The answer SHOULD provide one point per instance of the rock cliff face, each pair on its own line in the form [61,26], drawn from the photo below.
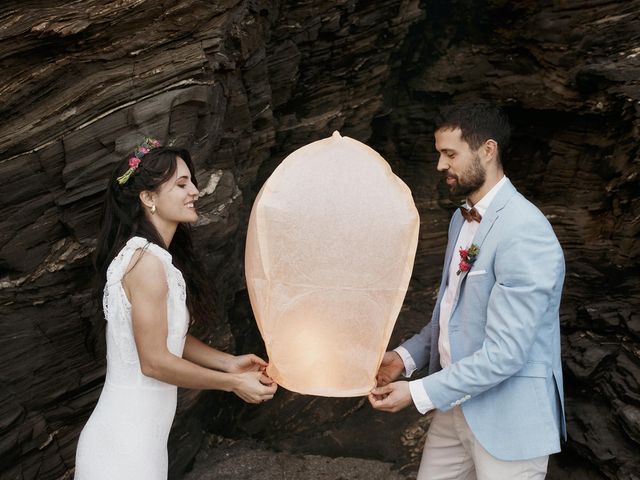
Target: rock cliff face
[243,83]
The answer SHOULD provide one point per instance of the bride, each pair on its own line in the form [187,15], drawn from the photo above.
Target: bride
[143,251]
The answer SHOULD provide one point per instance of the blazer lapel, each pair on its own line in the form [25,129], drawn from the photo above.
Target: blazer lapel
[456,226]
[493,212]
[488,219]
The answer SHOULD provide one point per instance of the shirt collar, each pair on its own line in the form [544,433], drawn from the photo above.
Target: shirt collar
[485,201]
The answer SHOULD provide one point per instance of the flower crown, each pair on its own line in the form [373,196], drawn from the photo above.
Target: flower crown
[134,162]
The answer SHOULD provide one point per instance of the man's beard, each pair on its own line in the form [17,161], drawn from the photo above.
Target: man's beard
[472,179]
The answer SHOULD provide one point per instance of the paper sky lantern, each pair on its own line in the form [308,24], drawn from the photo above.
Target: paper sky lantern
[330,248]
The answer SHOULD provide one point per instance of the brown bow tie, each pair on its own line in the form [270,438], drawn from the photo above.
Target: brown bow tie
[471,215]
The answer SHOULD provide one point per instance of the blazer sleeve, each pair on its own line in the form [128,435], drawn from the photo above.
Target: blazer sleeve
[529,270]
[419,347]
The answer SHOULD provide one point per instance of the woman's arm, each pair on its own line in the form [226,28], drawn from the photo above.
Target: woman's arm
[147,290]
[198,352]
[206,356]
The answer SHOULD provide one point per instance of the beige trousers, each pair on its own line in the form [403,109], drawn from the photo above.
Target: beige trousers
[452,452]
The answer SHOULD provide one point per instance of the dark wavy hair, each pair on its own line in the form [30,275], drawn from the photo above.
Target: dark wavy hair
[123,217]
[478,123]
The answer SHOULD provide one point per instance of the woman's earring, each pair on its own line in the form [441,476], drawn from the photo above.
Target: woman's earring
[153,209]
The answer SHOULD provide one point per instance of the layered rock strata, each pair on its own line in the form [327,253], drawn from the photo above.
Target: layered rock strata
[242,84]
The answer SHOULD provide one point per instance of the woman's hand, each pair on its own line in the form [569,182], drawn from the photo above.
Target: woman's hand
[253,386]
[246,363]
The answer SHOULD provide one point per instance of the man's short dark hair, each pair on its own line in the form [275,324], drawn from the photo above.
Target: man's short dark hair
[478,123]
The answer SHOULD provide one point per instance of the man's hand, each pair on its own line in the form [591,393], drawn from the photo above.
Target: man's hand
[392,397]
[390,368]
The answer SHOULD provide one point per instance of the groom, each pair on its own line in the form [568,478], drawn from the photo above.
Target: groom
[493,343]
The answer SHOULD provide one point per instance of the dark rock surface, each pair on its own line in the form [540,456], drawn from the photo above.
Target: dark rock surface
[242,84]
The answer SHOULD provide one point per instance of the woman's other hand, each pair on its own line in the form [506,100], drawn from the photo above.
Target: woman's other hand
[254,386]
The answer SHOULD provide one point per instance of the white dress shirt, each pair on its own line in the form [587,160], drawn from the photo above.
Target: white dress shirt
[420,397]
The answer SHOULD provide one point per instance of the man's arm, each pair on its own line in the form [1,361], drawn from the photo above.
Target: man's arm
[419,346]
[414,354]
[418,349]
[392,397]
[529,267]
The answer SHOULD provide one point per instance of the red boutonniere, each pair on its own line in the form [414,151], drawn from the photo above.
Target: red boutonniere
[467,258]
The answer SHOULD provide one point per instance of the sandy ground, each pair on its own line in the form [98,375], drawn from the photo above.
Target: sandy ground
[244,460]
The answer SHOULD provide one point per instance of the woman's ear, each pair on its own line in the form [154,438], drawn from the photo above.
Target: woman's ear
[147,198]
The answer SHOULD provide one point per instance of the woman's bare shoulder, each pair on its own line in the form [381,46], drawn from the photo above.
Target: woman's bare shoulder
[145,273]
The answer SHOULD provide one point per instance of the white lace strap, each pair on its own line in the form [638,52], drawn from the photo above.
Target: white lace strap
[121,262]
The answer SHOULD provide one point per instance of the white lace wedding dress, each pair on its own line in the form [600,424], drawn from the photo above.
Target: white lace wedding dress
[126,435]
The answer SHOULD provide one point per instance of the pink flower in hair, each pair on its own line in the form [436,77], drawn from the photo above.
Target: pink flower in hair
[134,162]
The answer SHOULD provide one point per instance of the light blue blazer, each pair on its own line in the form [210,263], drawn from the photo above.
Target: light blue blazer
[504,332]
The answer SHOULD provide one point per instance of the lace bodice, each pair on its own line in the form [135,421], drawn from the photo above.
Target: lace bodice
[123,365]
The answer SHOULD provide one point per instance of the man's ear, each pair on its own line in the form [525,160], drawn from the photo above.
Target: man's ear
[147,198]
[490,150]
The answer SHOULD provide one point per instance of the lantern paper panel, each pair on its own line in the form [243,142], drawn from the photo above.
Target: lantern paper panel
[330,249]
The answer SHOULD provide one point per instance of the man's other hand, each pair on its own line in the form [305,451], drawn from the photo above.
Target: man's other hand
[391,398]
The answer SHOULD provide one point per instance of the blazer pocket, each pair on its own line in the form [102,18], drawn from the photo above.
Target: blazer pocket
[534,369]
[476,272]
